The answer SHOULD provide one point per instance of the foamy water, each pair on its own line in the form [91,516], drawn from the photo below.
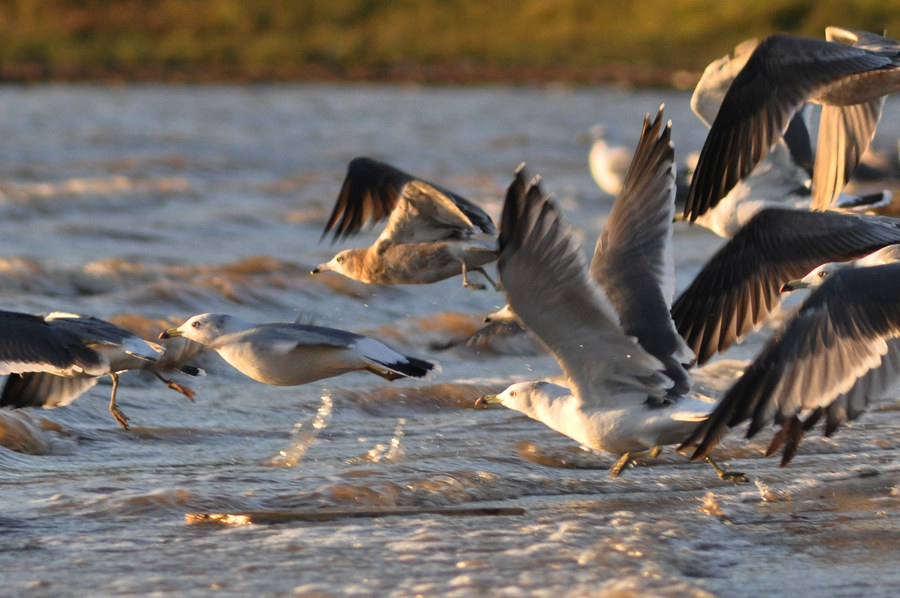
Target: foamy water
[148,204]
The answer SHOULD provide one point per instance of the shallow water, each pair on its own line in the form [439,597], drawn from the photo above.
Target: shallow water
[148,204]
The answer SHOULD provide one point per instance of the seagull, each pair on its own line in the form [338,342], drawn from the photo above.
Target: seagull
[616,342]
[782,178]
[839,352]
[431,234]
[502,334]
[286,354]
[739,286]
[607,162]
[55,358]
[849,74]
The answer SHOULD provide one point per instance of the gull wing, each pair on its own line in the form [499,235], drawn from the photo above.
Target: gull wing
[29,343]
[740,285]
[845,133]
[425,213]
[716,79]
[43,389]
[634,258]
[372,189]
[283,338]
[782,73]
[841,333]
[105,337]
[550,290]
[847,129]
[712,87]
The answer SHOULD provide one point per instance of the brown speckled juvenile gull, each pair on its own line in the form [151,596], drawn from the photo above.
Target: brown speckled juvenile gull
[284,354]
[627,390]
[849,74]
[838,353]
[431,234]
[53,359]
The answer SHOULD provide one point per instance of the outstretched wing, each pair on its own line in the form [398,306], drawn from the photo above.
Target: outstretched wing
[633,261]
[783,72]
[740,285]
[372,189]
[841,333]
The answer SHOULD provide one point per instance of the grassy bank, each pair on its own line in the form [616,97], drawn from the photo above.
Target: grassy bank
[647,42]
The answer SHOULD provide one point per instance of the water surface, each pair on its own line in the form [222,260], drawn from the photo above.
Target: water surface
[148,204]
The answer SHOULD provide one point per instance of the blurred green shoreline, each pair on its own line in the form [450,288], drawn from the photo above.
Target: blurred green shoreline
[581,42]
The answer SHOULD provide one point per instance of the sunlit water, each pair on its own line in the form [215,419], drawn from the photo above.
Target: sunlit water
[147,204]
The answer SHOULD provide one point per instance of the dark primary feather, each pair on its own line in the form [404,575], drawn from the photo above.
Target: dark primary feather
[411,367]
[372,189]
[813,362]
[740,285]
[781,74]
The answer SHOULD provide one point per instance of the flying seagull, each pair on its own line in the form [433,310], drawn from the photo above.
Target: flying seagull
[783,177]
[849,74]
[431,234]
[285,354]
[839,352]
[619,350]
[53,359]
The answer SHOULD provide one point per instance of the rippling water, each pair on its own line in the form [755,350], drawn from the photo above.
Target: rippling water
[148,204]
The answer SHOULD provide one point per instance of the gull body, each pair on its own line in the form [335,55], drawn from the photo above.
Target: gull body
[607,162]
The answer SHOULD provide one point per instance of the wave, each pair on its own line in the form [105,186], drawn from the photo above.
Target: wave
[43,193]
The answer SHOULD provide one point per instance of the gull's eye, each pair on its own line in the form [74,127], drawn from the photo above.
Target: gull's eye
[823,273]
[340,259]
[196,324]
[512,393]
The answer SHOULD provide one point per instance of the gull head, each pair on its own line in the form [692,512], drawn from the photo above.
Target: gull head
[523,396]
[815,278]
[205,328]
[344,263]
[504,314]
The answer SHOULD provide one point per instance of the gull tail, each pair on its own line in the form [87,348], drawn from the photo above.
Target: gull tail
[191,370]
[863,203]
[389,364]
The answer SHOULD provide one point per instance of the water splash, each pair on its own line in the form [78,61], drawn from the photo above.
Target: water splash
[303,436]
[381,452]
